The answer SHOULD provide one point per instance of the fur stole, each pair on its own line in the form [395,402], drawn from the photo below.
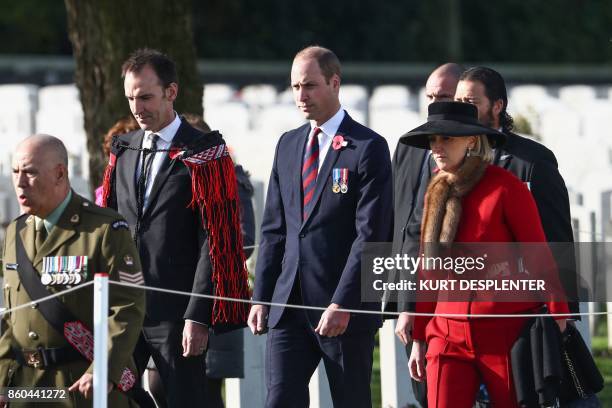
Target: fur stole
[442,210]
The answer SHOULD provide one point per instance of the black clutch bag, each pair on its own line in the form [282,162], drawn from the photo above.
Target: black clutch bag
[581,377]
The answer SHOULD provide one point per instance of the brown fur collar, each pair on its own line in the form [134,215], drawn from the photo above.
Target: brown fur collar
[442,210]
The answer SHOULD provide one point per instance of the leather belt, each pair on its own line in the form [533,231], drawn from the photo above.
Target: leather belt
[46,357]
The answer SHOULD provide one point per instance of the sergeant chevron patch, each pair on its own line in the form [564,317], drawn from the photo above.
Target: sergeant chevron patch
[135,278]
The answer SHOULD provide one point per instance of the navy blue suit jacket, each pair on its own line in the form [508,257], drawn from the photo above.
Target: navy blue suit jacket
[325,248]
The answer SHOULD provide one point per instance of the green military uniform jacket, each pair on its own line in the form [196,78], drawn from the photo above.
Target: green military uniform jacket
[82,230]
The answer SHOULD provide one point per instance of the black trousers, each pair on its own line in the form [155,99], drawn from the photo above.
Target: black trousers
[293,352]
[183,377]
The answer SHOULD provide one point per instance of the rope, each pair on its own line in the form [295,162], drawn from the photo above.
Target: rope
[44,299]
[321,308]
[304,307]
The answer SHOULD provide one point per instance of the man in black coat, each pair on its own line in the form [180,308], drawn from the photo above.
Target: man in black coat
[411,169]
[532,163]
[160,178]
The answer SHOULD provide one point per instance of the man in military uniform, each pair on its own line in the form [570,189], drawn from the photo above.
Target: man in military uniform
[61,241]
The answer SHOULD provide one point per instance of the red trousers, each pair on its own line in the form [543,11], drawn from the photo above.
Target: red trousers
[461,355]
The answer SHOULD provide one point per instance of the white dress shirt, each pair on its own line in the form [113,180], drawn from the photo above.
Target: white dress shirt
[327,133]
[166,135]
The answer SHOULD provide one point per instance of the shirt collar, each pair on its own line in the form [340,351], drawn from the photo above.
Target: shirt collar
[55,215]
[330,128]
[167,133]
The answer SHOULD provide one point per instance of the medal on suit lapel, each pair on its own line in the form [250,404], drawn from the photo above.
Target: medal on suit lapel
[344,181]
[336,180]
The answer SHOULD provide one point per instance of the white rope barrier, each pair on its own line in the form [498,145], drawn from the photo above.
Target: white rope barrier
[44,299]
[319,308]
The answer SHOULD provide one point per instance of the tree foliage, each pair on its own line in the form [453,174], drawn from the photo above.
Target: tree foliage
[103,34]
[534,31]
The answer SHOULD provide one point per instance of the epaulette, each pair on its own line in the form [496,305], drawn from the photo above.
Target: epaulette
[90,207]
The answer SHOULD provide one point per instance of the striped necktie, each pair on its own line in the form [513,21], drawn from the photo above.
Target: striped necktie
[310,169]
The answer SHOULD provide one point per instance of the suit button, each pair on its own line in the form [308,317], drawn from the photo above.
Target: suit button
[302,235]
[34,306]
[32,335]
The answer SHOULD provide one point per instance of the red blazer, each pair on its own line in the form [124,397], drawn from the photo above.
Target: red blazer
[500,208]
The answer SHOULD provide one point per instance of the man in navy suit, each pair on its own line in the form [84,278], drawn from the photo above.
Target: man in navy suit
[329,193]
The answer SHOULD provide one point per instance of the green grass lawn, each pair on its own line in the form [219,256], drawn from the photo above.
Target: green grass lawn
[375,382]
[605,366]
[603,359]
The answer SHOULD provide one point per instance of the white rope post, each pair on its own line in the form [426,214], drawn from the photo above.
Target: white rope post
[100,369]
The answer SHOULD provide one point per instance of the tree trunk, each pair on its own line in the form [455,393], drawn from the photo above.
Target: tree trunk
[103,34]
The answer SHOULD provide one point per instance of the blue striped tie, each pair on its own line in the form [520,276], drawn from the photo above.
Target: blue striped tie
[310,169]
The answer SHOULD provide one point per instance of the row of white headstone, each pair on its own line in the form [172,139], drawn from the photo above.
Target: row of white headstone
[574,121]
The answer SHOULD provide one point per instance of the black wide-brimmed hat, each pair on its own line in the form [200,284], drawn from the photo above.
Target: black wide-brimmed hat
[451,119]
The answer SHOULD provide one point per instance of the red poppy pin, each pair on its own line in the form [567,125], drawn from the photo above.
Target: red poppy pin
[174,153]
[338,142]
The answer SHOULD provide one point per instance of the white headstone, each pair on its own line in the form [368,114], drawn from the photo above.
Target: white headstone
[390,96]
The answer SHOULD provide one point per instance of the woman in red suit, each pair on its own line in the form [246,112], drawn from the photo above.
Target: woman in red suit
[470,200]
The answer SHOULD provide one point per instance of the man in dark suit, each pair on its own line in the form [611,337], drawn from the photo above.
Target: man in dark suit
[529,160]
[532,163]
[411,173]
[329,194]
[152,188]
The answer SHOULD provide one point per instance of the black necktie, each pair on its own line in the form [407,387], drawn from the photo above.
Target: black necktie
[145,172]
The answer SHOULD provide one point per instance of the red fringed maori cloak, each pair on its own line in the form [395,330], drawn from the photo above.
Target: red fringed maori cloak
[107,179]
[215,193]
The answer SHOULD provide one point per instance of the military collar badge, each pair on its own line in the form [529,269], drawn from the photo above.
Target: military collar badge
[129,261]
